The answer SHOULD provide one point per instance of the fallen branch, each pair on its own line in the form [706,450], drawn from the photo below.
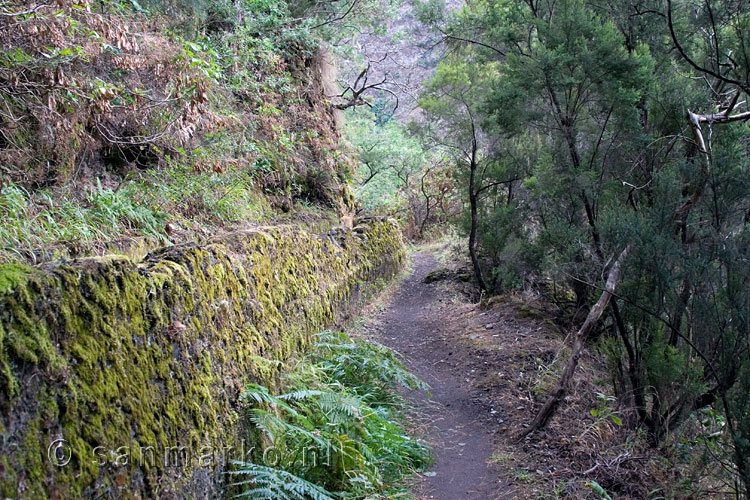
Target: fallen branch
[549,408]
[25,12]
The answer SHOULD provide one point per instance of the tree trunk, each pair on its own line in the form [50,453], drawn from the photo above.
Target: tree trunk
[582,335]
[473,204]
[428,208]
[742,460]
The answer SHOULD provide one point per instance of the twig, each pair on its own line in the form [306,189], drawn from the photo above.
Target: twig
[25,12]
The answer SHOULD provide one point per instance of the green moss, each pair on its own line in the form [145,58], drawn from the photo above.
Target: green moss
[8,479]
[32,459]
[11,276]
[112,353]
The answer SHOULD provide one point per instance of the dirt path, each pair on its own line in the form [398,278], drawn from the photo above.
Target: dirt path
[415,325]
[490,368]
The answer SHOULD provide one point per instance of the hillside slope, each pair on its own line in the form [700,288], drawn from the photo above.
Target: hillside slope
[124,127]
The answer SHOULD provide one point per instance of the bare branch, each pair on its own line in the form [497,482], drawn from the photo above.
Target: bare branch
[339,18]
[549,408]
[681,50]
[25,12]
[360,87]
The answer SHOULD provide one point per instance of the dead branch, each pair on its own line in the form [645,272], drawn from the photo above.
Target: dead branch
[25,12]
[360,87]
[549,408]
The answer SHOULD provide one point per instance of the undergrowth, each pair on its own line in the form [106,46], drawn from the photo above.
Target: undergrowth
[153,205]
[166,120]
[336,430]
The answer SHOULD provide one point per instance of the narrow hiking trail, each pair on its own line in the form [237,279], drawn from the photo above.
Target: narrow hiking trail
[489,369]
[417,325]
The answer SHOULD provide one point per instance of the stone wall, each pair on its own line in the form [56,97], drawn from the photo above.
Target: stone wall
[138,366]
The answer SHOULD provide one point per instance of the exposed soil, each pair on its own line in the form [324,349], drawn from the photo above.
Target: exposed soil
[489,370]
[461,438]
[460,429]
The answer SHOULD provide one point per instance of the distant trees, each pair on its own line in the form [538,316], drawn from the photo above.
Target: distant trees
[397,175]
[451,103]
[622,129]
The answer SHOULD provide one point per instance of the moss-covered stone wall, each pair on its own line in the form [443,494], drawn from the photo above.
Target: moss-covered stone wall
[138,366]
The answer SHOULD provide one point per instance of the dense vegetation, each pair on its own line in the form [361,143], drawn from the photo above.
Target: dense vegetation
[163,120]
[126,126]
[601,153]
[335,428]
[398,175]
[595,153]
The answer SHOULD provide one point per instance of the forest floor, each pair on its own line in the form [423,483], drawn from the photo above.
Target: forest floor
[488,369]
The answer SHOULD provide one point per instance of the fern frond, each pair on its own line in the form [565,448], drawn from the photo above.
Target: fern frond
[340,406]
[340,401]
[300,395]
[275,484]
[259,394]
[276,428]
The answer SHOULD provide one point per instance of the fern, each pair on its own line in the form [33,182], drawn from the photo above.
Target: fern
[340,406]
[340,402]
[268,483]
[300,395]
[365,366]
[276,428]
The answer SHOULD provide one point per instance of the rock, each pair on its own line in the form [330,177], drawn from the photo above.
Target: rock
[441,274]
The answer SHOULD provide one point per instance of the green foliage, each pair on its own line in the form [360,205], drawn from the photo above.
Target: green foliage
[352,361]
[597,488]
[387,156]
[135,208]
[666,368]
[269,482]
[397,174]
[201,57]
[604,411]
[338,22]
[207,197]
[201,126]
[337,425]
[584,104]
[104,214]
